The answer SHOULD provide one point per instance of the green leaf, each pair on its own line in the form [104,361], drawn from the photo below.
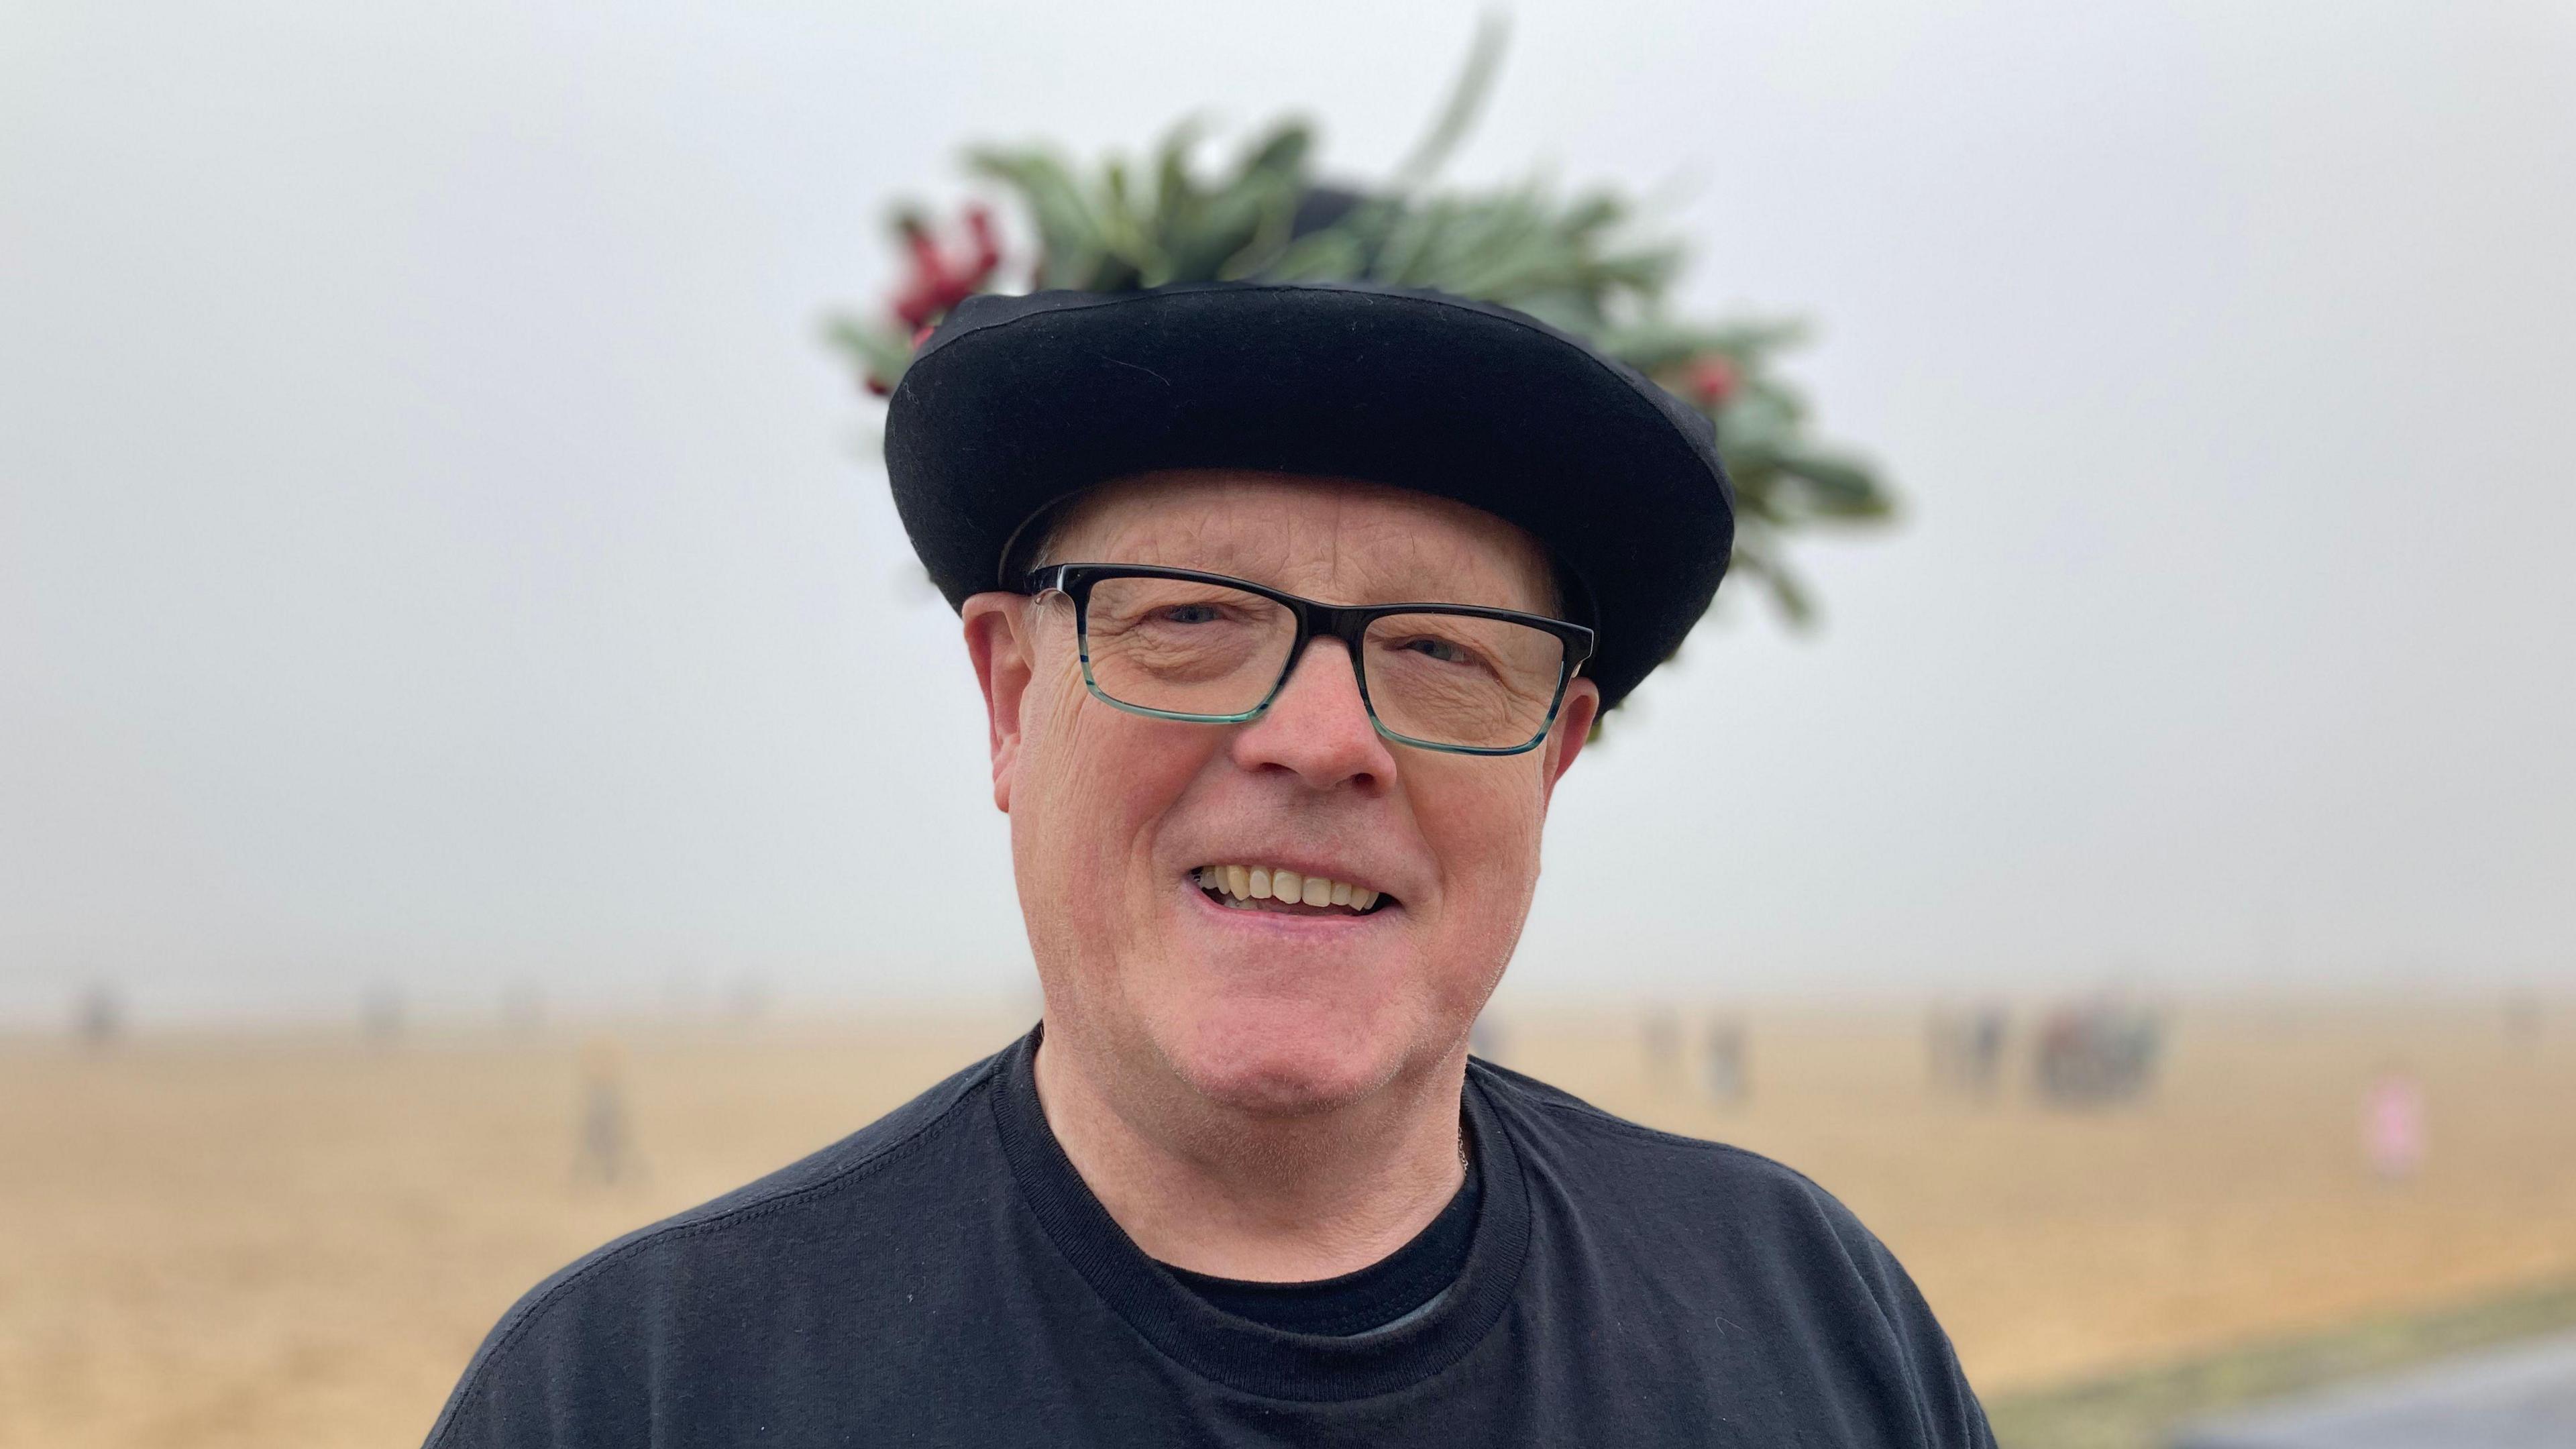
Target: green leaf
[1576,262]
[1071,240]
[878,352]
[1457,114]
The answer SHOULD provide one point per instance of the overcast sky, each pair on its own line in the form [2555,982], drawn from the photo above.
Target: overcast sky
[435,550]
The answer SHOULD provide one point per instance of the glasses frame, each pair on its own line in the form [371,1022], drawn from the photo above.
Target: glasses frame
[1346,622]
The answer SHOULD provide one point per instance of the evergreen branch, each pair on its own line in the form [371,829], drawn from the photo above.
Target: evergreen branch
[1458,115]
[1572,262]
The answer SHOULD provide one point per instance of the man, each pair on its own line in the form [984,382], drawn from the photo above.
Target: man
[1291,605]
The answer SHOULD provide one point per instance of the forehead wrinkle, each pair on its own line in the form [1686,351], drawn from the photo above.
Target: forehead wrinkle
[1387,558]
[1173,531]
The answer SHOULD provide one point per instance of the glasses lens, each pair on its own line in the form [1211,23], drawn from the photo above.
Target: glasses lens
[1185,648]
[1450,679]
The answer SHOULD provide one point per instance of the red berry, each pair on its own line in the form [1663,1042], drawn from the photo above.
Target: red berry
[1713,379]
[936,284]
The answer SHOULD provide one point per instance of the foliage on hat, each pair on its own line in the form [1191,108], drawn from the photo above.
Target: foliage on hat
[1572,261]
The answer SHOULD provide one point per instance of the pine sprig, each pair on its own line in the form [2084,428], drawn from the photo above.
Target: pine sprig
[1574,262]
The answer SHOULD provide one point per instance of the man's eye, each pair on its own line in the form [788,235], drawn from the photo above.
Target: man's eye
[1190,614]
[1440,649]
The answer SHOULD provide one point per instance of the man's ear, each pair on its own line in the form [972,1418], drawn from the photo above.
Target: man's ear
[997,638]
[1573,728]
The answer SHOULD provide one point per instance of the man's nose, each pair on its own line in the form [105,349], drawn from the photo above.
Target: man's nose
[1318,727]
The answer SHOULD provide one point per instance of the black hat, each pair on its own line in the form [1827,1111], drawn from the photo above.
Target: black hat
[1018,403]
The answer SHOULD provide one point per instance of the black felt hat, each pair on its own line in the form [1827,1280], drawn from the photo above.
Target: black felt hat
[1018,403]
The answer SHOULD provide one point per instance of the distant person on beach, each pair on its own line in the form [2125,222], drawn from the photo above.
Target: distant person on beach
[605,1151]
[1967,1048]
[1291,604]
[1985,1054]
[1663,1046]
[2392,1125]
[1730,1078]
[99,1019]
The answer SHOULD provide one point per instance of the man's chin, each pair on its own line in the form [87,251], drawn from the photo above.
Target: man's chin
[1287,1070]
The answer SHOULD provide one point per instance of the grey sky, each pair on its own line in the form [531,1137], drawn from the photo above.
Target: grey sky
[434,548]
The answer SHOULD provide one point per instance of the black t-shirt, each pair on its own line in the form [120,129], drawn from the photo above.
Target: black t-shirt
[943,1277]
[1396,1286]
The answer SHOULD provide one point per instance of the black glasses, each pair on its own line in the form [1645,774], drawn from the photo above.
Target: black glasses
[1207,649]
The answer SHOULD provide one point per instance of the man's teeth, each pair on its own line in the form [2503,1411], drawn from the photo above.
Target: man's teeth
[1241,885]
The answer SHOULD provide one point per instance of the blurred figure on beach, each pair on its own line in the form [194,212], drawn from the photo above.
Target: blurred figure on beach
[2392,1125]
[605,1153]
[1968,1048]
[2097,1052]
[99,1019]
[1663,1039]
[1729,1076]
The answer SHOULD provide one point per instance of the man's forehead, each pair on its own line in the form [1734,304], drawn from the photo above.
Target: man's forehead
[1332,535]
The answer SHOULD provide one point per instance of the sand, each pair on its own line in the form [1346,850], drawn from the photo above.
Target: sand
[298,1240]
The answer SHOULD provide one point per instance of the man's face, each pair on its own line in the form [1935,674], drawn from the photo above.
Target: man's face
[1114,816]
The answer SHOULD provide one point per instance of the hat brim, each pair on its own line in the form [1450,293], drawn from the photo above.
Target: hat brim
[1018,402]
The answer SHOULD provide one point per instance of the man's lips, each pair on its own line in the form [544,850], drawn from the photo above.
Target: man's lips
[1282,891]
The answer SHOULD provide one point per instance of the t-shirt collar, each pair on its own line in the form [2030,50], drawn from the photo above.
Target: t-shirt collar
[1237,1352]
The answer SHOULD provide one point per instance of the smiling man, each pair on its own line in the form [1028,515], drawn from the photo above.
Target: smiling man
[1292,606]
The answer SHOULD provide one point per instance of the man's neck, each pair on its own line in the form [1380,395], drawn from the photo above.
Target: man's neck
[1270,1199]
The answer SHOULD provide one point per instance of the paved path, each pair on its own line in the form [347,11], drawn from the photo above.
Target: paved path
[2523,1397]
